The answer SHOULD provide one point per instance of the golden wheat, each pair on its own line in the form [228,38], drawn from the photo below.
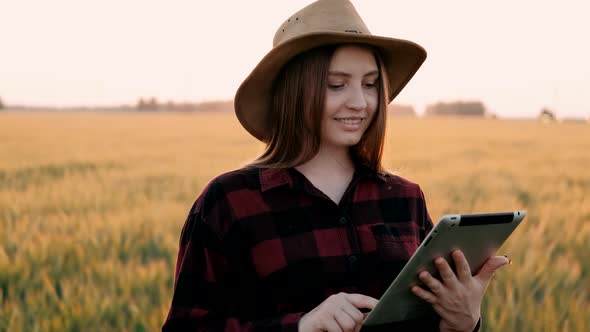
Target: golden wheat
[91,207]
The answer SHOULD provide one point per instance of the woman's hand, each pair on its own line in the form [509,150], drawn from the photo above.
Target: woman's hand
[457,299]
[339,312]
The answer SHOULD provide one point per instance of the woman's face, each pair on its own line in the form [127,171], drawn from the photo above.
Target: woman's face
[352,95]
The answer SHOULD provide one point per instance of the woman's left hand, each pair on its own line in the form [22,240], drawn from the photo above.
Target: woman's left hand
[457,299]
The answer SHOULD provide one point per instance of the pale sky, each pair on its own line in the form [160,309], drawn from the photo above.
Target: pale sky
[516,56]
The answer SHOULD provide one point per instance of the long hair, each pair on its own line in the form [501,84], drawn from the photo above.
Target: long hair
[297,107]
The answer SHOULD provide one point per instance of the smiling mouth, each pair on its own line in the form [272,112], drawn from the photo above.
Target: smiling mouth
[350,121]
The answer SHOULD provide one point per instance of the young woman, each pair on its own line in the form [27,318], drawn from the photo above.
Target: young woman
[309,236]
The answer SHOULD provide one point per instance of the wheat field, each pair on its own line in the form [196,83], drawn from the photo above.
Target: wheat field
[91,207]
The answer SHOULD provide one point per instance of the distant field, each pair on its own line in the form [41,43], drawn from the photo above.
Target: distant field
[91,207]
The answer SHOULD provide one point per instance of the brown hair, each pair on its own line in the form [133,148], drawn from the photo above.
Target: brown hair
[297,106]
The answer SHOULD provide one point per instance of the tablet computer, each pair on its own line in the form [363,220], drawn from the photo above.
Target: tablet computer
[478,236]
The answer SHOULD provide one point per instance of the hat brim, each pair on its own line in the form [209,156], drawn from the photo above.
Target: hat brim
[402,58]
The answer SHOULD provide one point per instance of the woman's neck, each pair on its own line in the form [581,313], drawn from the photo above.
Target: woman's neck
[329,161]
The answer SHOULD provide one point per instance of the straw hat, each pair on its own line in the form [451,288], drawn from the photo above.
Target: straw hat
[320,23]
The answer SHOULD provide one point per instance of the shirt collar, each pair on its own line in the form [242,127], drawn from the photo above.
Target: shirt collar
[366,172]
[276,177]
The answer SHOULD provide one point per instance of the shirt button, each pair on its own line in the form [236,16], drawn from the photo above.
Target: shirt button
[343,221]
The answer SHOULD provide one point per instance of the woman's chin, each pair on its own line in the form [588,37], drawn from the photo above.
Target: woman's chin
[347,142]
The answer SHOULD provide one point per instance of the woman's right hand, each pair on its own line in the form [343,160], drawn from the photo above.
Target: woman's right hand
[339,312]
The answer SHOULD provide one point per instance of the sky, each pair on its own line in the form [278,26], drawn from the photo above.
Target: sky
[515,56]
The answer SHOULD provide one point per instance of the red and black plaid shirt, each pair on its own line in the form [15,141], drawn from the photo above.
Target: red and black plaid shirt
[261,247]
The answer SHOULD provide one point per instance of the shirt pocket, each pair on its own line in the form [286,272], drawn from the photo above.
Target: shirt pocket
[393,243]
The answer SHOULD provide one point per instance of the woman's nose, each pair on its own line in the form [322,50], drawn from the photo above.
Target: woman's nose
[357,99]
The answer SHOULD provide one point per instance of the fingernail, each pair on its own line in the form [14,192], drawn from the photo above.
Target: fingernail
[509,260]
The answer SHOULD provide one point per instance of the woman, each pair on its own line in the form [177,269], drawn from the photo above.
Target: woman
[309,235]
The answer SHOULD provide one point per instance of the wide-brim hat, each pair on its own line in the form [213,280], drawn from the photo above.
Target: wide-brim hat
[323,22]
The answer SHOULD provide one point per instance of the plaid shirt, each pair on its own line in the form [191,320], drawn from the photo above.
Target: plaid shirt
[261,247]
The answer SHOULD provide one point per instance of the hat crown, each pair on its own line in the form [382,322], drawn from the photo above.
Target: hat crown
[322,16]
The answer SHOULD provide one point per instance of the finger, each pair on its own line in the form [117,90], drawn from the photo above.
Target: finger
[446,273]
[435,286]
[490,266]
[344,320]
[463,269]
[424,294]
[353,312]
[362,301]
[330,324]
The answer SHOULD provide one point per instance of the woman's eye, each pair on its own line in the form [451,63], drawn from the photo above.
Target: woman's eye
[371,85]
[335,86]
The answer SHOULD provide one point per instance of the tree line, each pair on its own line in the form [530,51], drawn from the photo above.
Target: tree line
[460,108]
[453,108]
[152,104]
[456,108]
